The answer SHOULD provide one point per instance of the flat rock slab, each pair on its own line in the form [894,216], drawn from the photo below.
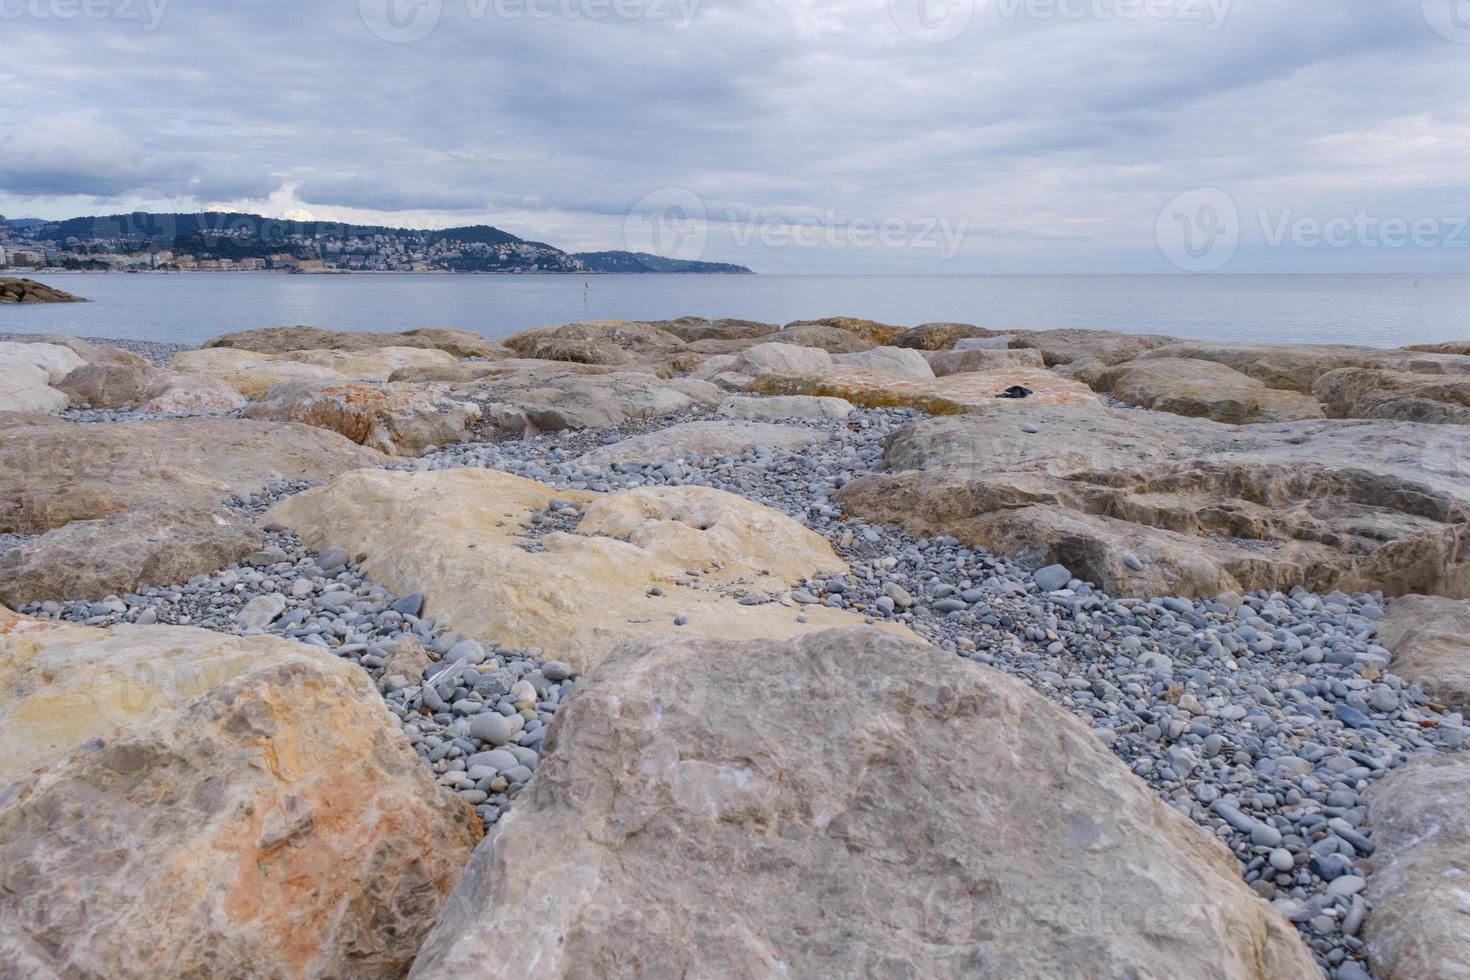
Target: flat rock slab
[56,473]
[933,819]
[786,407]
[456,536]
[253,374]
[275,340]
[703,439]
[178,803]
[1429,637]
[1296,367]
[1204,389]
[1421,836]
[398,418]
[951,395]
[972,360]
[527,405]
[155,544]
[1147,503]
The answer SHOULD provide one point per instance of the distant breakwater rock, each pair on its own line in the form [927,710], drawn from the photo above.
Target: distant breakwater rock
[14,290]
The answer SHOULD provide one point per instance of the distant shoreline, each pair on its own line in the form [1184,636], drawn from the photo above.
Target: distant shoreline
[342,272]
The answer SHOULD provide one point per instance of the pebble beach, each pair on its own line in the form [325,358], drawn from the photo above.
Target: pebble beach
[1263,715]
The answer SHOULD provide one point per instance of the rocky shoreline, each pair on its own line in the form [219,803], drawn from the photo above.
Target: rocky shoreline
[528,546]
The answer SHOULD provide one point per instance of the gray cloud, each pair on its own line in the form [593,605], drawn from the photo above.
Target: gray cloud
[1053,140]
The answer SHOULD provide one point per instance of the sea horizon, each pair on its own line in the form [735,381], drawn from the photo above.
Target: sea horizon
[1370,309]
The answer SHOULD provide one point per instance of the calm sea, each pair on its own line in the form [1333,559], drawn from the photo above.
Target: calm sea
[1384,311]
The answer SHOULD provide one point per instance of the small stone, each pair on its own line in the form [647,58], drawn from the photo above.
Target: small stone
[409,605]
[1282,860]
[261,611]
[1051,578]
[494,728]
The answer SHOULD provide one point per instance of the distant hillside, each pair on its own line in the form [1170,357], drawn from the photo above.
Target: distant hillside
[221,240]
[257,241]
[646,262]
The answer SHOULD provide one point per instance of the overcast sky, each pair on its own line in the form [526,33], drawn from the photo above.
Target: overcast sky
[943,136]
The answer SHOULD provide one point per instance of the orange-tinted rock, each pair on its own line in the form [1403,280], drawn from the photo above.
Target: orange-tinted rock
[180,803]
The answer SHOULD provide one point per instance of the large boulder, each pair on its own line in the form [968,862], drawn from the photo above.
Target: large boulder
[276,340]
[1371,393]
[833,340]
[1147,503]
[460,538]
[398,419]
[25,388]
[156,544]
[1073,350]
[1429,637]
[114,385]
[926,817]
[775,358]
[694,329]
[951,395]
[622,343]
[716,438]
[940,336]
[1421,839]
[526,403]
[1296,367]
[148,388]
[56,473]
[1204,389]
[874,333]
[55,360]
[1461,347]
[17,290]
[88,351]
[976,359]
[179,803]
[900,361]
[249,373]
[194,394]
